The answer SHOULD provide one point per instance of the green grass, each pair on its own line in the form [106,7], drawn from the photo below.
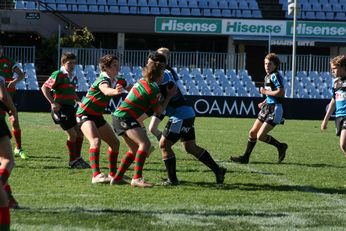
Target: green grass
[306,192]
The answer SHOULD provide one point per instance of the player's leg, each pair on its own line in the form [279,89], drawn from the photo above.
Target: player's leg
[343,141]
[168,157]
[204,156]
[4,210]
[125,162]
[17,135]
[251,143]
[107,134]
[139,136]
[91,132]
[263,136]
[153,127]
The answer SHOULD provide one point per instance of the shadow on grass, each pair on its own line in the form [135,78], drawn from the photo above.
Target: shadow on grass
[129,212]
[316,165]
[287,188]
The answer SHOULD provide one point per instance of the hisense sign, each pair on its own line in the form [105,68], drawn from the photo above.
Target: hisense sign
[248,27]
[253,27]
[188,25]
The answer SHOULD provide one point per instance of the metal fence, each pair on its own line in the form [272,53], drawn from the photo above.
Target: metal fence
[306,63]
[87,56]
[22,54]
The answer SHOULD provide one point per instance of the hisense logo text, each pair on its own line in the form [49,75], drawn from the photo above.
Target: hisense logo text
[174,25]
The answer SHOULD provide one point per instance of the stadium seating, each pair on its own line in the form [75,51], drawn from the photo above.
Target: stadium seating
[186,8]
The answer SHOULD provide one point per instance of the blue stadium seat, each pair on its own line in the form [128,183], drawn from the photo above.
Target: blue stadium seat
[193,4]
[320,15]
[93,8]
[175,11]
[81,2]
[243,5]
[20,5]
[30,5]
[246,14]
[127,3]
[256,14]
[60,1]
[70,1]
[340,16]
[185,12]
[142,3]
[101,2]
[226,13]
[338,7]
[206,12]
[111,2]
[82,8]
[91,2]
[165,11]
[224,4]
[327,7]
[62,7]
[163,3]
[133,10]
[233,5]
[182,3]
[203,4]
[155,11]
[152,3]
[124,10]
[216,12]
[113,9]
[213,4]
[173,3]
[316,7]
[144,10]
[195,12]
[309,15]
[253,5]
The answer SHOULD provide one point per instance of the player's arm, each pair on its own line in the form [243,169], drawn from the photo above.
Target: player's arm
[108,91]
[279,92]
[171,92]
[20,77]
[7,100]
[330,110]
[47,94]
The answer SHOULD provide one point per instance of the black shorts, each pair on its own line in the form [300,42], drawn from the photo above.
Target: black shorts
[65,117]
[340,124]
[4,130]
[98,120]
[121,125]
[271,114]
[179,129]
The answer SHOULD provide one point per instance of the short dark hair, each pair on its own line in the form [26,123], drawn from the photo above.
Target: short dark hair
[273,58]
[67,56]
[106,61]
[157,57]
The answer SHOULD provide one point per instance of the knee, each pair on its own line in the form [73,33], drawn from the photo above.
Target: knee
[95,142]
[262,137]
[253,134]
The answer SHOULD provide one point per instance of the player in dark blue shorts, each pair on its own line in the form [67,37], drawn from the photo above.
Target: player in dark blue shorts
[271,112]
[338,101]
[180,126]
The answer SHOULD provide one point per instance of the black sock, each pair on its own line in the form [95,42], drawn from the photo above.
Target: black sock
[271,140]
[206,159]
[250,145]
[171,169]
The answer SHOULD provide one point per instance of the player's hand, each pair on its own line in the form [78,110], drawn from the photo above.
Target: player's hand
[323,126]
[55,106]
[263,91]
[172,91]
[261,104]
[12,84]
[118,89]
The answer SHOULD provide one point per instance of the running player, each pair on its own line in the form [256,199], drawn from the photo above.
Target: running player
[338,101]
[6,155]
[92,123]
[63,84]
[144,95]
[8,67]
[271,112]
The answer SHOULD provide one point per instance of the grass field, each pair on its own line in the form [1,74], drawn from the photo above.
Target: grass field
[306,192]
